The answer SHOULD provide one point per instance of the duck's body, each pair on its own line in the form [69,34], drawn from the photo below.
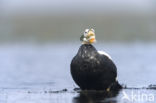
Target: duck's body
[92,70]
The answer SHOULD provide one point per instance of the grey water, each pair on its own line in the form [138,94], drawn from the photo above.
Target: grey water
[31,73]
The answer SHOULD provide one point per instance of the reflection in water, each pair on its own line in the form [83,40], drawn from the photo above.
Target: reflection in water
[95,97]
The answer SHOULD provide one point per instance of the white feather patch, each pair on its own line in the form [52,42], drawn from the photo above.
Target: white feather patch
[104,53]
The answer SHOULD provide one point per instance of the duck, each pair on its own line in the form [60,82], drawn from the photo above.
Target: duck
[92,69]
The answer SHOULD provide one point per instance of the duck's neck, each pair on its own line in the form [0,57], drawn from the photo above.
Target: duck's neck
[87,50]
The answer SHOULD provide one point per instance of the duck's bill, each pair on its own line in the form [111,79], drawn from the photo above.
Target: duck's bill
[92,40]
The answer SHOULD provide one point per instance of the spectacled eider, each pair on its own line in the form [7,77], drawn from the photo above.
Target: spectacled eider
[92,69]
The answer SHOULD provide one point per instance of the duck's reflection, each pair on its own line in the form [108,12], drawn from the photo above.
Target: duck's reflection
[95,97]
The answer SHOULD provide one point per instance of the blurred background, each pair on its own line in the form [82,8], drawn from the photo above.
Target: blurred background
[65,20]
[39,38]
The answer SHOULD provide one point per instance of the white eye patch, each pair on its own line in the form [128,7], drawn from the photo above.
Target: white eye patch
[86,31]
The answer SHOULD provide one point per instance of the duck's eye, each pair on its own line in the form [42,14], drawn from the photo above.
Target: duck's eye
[85,32]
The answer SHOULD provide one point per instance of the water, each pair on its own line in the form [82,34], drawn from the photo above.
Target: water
[40,73]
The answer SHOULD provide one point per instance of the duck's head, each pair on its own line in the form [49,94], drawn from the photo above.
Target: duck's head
[88,37]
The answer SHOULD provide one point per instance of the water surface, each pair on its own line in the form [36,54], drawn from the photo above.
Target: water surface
[41,73]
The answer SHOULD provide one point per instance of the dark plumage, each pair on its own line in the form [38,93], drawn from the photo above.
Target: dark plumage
[93,71]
